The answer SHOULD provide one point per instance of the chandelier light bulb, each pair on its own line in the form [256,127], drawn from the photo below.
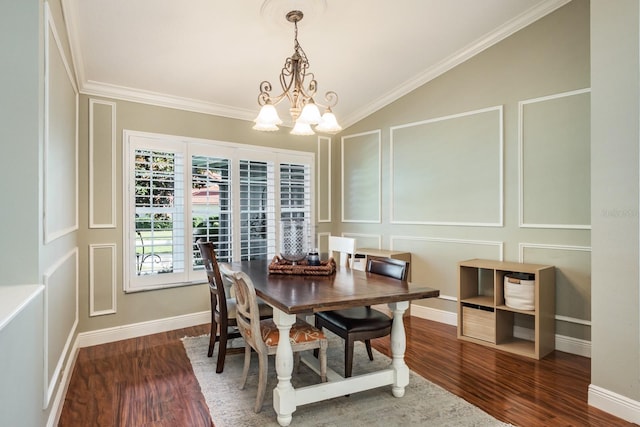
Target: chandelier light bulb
[310,114]
[302,129]
[329,123]
[268,116]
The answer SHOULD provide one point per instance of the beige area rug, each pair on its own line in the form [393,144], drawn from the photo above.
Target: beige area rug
[424,403]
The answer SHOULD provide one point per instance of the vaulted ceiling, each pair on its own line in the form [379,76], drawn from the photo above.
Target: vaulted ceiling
[211,55]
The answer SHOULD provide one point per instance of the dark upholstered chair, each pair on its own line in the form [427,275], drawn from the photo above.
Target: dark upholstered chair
[223,309]
[362,323]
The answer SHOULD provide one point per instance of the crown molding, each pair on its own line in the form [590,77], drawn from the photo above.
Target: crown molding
[457,58]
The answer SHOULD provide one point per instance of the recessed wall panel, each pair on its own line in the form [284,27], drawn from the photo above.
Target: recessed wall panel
[61,318]
[324,179]
[102,279]
[573,277]
[448,170]
[60,142]
[556,161]
[361,179]
[102,164]
[434,261]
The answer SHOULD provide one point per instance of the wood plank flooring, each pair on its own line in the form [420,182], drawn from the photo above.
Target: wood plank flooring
[148,381]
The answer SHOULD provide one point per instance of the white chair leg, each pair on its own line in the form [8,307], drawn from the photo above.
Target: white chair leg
[262,380]
[247,362]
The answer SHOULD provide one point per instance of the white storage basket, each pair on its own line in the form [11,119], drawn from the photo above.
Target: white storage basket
[519,291]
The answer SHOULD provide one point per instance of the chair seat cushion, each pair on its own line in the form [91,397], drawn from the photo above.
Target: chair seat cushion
[300,332]
[356,319]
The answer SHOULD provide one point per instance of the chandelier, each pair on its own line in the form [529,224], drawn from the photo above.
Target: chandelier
[304,110]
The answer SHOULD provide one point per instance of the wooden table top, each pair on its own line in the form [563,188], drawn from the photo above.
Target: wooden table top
[346,288]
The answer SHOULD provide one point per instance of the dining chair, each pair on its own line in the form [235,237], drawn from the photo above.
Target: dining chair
[223,309]
[362,323]
[345,247]
[262,335]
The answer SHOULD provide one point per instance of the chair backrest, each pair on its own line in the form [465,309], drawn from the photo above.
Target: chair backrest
[345,246]
[248,313]
[390,267]
[216,285]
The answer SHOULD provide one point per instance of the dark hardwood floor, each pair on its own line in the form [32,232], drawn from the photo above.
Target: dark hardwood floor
[148,381]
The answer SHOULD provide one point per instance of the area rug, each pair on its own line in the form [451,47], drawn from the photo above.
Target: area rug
[424,403]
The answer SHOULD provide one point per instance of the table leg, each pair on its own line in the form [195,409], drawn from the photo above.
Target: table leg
[398,347]
[284,393]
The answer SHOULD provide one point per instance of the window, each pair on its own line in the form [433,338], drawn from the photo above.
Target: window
[180,190]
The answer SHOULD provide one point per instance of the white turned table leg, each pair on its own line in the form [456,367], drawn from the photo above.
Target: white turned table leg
[284,399]
[398,347]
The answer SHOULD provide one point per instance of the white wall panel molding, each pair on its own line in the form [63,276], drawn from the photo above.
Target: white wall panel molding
[60,182]
[60,317]
[464,156]
[324,179]
[102,164]
[554,152]
[361,157]
[102,279]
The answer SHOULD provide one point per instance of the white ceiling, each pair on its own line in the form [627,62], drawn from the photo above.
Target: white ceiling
[211,55]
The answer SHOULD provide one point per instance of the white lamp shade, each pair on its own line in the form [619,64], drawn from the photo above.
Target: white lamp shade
[310,114]
[302,129]
[268,116]
[328,123]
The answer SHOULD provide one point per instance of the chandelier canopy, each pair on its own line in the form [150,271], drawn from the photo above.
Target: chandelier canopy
[304,110]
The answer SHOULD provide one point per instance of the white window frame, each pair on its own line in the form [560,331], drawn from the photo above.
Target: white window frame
[132,140]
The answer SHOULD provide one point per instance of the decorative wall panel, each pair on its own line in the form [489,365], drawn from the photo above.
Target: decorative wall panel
[324,179]
[555,161]
[361,180]
[102,164]
[102,279]
[60,140]
[448,170]
[435,260]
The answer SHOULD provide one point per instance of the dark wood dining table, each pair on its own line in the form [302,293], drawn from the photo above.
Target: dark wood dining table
[292,295]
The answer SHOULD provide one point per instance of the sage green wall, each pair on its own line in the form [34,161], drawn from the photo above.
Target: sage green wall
[20,136]
[549,57]
[615,363]
[165,303]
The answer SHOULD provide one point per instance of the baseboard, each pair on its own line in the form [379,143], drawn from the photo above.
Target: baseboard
[102,336]
[58,401]
[614,404]
[563,343]
[441,316]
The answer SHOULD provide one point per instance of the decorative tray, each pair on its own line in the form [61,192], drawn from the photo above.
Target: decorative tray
[282,266]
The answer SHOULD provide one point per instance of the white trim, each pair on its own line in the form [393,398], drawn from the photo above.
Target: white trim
[500,221]
[133,330]
[49,24]
[51,385]
[58,402]
[496,243]
[614,403]
[92,195]
[92,279]
[153,98]
[14,299]
[342,172]
[328,178]
[521,105]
